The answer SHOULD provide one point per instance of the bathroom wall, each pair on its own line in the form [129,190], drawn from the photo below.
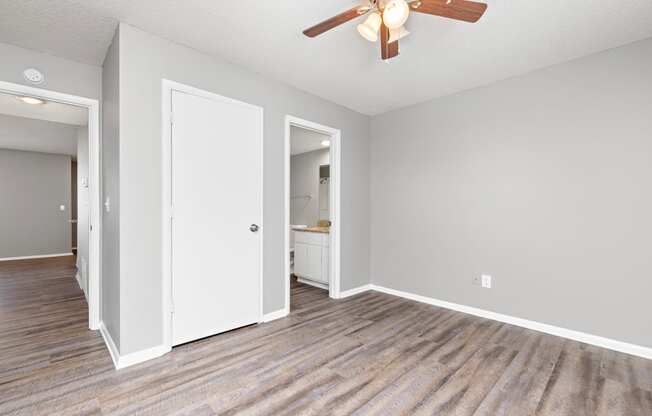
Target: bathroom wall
[304,186]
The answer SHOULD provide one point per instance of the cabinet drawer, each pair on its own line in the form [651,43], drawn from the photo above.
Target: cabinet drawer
[308,238]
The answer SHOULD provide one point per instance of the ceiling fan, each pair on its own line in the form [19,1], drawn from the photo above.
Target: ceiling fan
[387,17]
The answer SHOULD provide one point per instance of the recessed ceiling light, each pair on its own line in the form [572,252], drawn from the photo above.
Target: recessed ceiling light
[31,100]
[326,143]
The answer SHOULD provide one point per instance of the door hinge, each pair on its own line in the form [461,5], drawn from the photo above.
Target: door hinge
[171,306]
[171,118]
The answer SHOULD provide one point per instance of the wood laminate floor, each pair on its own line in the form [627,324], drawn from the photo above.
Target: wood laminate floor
[371,354]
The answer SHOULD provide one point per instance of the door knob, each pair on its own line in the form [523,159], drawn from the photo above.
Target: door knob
[254,228]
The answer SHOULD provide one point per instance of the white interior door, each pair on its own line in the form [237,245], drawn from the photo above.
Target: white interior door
[216,251]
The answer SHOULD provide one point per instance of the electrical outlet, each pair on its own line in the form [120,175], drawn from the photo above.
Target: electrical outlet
[477,281]
[486,281]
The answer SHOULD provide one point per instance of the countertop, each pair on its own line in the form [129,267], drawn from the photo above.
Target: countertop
[323,230]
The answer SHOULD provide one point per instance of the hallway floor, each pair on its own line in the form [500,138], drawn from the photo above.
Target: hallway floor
[367,354]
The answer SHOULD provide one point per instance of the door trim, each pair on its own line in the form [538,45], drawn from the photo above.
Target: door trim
[166,174]
[94,192]
[334,278]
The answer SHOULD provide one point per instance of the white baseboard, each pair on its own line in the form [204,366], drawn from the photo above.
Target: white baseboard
[311,283]
[39,256]
[79,283]
[113,349]
[354,291]
[142,356]
[627,348]
[122,361]
[281,313]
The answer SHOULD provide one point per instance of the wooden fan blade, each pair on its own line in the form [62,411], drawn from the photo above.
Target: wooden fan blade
[387,50]
[335,21]
[467,11]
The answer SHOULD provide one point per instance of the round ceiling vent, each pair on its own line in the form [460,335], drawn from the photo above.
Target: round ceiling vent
[34,76]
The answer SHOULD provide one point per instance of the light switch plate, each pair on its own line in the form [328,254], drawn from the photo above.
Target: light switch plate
[486,281]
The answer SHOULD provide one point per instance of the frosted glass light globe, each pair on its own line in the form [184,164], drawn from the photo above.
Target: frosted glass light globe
[369,29]
[396,13]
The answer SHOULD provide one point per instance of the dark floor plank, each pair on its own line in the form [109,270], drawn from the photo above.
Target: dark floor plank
[575,385]
[633,371]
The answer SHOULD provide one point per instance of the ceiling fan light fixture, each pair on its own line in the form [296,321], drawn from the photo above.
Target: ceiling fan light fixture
[396,13]
[397,34]
[389,16]
[363,9]
[369,29]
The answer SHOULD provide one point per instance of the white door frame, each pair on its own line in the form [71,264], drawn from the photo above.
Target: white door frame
[166,174]
[334,282]
[95,202]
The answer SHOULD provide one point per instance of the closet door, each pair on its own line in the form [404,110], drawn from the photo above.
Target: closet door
[216,250]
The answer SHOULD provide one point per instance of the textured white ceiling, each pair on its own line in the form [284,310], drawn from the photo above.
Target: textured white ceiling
[303,140]
[440,57]
[50,111]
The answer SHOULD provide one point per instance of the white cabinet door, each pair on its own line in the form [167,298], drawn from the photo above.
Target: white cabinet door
[325,263]
[300,259]
[314,262]
[216,197]
[307,261]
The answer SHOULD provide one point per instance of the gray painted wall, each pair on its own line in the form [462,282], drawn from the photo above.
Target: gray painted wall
[110,296]
[64,76]
[144,61]
[61,75]
[543,181]
[33,186]
[74,201]
[304,180]
[82,206]
[20,133]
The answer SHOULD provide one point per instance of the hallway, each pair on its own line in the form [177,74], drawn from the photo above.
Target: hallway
[43,322]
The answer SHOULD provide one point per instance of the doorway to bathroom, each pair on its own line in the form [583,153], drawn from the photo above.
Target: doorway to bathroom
[312,190]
